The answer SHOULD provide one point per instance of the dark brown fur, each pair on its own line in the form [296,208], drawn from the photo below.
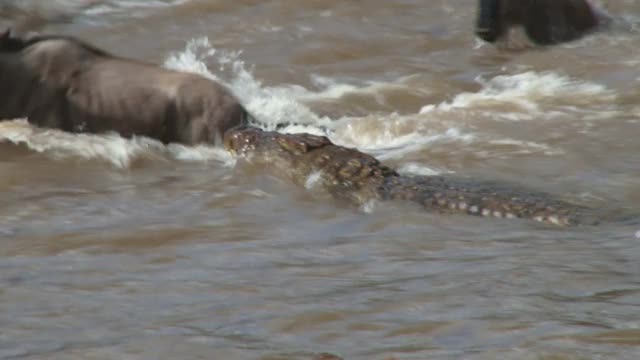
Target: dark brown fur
[63,83]
[546,22]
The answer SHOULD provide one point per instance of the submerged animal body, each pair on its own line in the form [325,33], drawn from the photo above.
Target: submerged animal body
[546,22]
[63,83]
[350,175]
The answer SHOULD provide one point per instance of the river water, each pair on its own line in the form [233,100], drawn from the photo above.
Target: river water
[127,249]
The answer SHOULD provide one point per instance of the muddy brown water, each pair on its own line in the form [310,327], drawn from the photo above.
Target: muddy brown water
[126,249]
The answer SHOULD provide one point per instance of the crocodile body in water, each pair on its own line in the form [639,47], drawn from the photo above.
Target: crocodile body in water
[350,175]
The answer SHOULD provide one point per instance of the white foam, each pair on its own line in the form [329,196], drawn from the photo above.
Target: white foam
[526,147]
[395,136]
[200,153]
[97,7]
[368,206]
[332,89]
[191,58]
[521,95]
[419,169]
[283,107]
[111,147]
[272,106]
[313,179]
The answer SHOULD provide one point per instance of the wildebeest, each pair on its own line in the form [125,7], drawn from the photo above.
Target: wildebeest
[546,22]
[64,83]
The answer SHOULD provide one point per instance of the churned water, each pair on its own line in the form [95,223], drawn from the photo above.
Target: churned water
[115,248]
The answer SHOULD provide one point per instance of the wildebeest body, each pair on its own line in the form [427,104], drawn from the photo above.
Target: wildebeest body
[59,82]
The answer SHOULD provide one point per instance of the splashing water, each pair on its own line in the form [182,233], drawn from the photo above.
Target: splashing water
[128,7]
[391,135]
[520,95]
[272,106]
[283,108]
[110,148]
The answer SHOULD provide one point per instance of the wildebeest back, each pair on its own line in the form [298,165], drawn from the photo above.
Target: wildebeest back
[134,99]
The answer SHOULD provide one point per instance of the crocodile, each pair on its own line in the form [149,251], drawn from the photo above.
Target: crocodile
[358,178]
